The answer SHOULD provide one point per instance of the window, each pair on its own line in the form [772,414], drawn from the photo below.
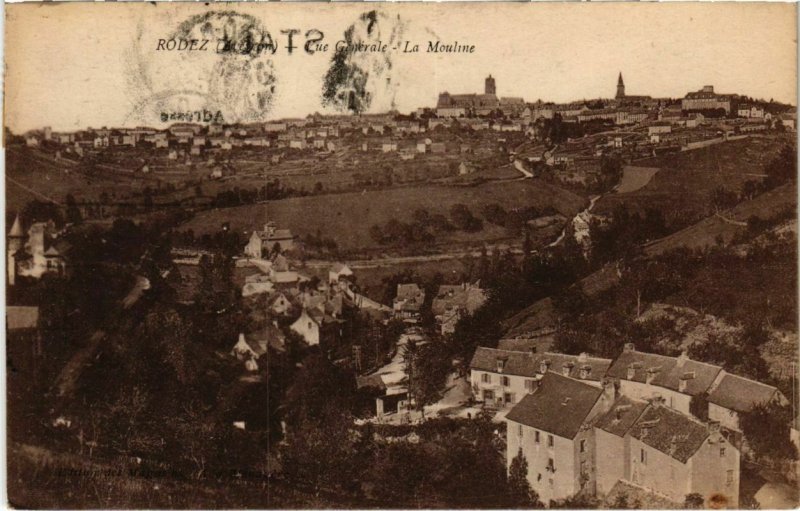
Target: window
[721,452]
[729,479]
[504,381]
[583,445]
[508,398]
[643,457]
[309,325]
[551,465]
[486,378]
[549,440]
[536,437]
[528,384]
[519,430]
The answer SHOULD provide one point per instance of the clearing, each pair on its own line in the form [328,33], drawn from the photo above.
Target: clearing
[634,178]
[347,217]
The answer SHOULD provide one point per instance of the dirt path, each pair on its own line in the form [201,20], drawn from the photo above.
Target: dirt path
[68,378]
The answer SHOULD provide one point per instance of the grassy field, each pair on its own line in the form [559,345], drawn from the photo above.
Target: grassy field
[683,186]
[29,177]
[347,217]
[634,178]
[706,232]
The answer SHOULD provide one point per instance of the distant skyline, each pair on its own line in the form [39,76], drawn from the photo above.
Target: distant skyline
[72,66]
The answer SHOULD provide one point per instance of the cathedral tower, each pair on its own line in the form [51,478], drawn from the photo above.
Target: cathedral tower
[490,86]
[620,87]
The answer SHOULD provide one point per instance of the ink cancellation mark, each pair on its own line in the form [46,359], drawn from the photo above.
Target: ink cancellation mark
[214,56]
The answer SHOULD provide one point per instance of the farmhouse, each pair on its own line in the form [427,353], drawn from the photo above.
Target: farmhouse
[264,242]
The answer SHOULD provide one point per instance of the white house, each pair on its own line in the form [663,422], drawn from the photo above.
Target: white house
[308,327]
[548,428]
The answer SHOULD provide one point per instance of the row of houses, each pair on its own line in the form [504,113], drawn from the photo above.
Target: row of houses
[311,310]
[585,424]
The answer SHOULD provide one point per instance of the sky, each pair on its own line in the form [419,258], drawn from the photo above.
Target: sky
[77,65]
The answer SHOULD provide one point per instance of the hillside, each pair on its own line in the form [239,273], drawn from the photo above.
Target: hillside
[682,186]
[347,217]
[728,224]
[755,284]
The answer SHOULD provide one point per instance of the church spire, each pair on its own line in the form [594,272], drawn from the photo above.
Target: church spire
[16,229]
[620,87]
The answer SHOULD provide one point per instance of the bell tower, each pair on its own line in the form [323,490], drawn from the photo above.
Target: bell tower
[490,86]
[620,87]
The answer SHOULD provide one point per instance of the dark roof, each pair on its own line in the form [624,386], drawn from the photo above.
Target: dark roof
[371,380]
[559,406]
[668,371]
[670,432]
[405,291]
[517,363]
[740,394]
[520,363]
[541,343]
[468,296]
[622,416]
[21,317]
[267,336]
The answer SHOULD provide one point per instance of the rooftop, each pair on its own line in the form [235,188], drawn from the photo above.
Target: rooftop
[559,406]
[21,317]
[520,363]
[670,432]
[665,371]
[740,394]
[622,416]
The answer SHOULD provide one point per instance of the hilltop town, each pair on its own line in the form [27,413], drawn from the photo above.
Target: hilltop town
[486,302]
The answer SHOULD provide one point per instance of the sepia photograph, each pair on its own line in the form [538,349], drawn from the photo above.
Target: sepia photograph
[459,255]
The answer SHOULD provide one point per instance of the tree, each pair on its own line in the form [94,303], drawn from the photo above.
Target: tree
[73,211]
[693,501]
[782,168]
[766,427]
[722,199]
[427,367]
[463,219]
[522,495]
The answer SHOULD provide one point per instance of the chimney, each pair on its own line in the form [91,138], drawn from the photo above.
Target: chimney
[651,374]
[684,381]
[713,427]
[656,401]
[567,368]
[543,365]
[609,393]
[682,358]
[629,347]
[585,371]
[673,444]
